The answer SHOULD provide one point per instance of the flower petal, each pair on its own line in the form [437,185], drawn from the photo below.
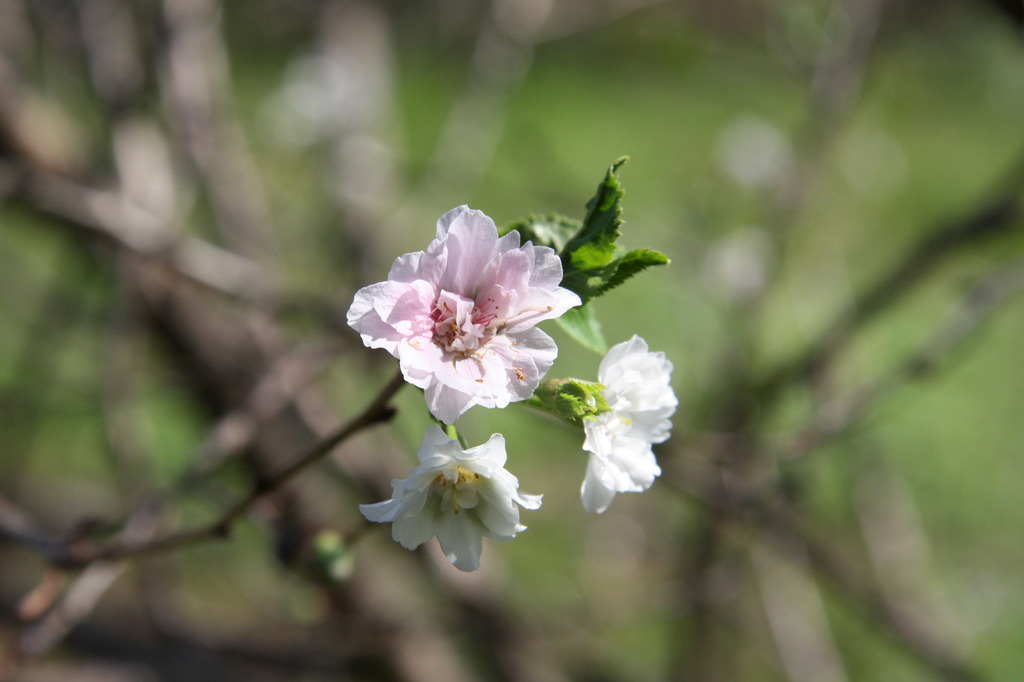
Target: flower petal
[461,539]
[637,387]
[412,530]
[459,495]
[461,315]
[597,491]
[447,403]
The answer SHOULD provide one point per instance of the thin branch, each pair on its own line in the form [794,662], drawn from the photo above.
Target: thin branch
[196,87]
[790,535]
[101,214]
[985,297]
[285,383]
[78,602]
[990,220]
[17,528]
[796,615]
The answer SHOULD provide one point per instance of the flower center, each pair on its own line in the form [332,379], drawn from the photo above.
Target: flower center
[457,490]
[459,326]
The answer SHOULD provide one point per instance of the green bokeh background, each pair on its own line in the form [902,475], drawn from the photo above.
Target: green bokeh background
[933,130]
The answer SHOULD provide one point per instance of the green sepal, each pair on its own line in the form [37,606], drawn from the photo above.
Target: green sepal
[571,400]
[550,230]
[582,324]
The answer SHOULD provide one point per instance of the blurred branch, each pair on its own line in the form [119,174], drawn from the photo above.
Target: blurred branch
[899,549]
[562,22]
[796,616]
[196,87]
[18,526]
[101,214]
[992,219]
[54,614]
[83,552]
[696,661]
[984,298]
[77,603]
[474,124]
[115,59]
[285,384]
[834,73]
[902,628]
[789,534]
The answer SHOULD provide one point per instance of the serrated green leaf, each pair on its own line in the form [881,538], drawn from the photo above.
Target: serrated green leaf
[551,230]
[633,262]
[593,246]
[581,324]
[592,261]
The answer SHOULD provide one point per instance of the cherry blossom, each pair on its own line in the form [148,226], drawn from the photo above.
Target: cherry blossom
[461,496]
[460,316]
[641,400]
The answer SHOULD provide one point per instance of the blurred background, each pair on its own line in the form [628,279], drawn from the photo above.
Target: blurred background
[192,190]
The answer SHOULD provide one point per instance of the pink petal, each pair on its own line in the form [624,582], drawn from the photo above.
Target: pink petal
[471,244]
[528,357]
[546,272]
[419,358]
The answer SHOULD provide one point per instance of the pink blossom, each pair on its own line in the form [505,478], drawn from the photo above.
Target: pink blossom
[460,316]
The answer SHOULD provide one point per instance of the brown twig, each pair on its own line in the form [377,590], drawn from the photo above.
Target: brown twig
[83,553]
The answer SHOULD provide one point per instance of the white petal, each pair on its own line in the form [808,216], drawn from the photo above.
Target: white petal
[617,354]
[596,493]
[547,267]
[499,514]
[418,358]
[527,356]
[412,530]
[461,540]
[633,464]
[488,458]
[363,317]
[529,501]
[652,426]
[436,442]
[447,403]
[380,512]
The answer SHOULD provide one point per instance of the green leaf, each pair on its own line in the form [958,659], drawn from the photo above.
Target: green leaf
[593,246]
[572,400]
[592,261]
[582,325]
[552,230]
[633,262]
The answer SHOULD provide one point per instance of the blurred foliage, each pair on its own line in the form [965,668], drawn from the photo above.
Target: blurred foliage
[786,156]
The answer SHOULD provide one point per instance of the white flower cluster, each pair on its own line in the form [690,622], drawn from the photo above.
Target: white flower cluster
[461,496]
[460,317]
[619,442]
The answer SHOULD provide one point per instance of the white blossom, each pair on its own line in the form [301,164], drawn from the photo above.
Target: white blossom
[641,399]
[461,496]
